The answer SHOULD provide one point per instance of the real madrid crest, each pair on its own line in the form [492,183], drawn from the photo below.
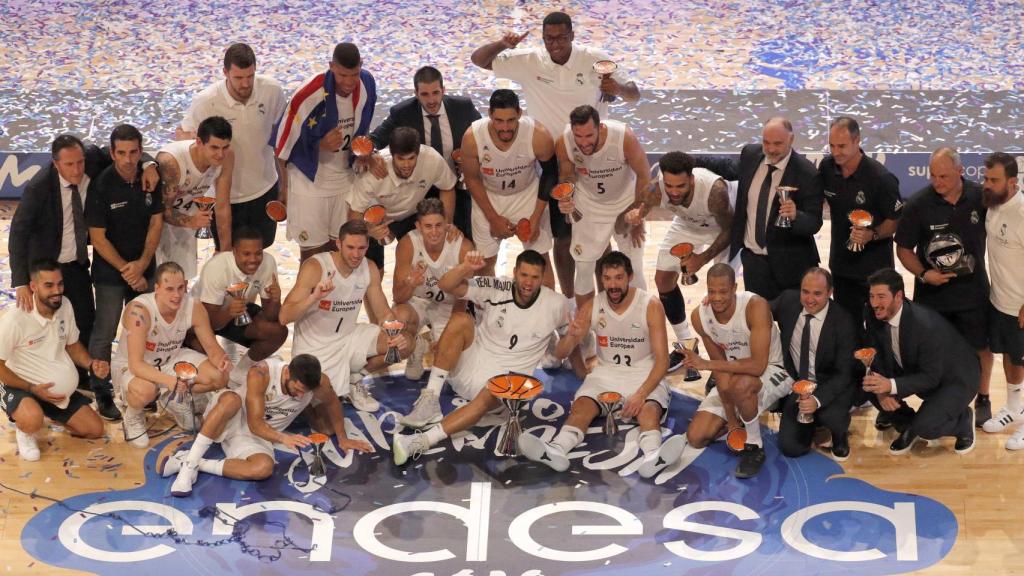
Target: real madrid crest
[860,197]
[486,158]
[601,321]
[578,250]
[577,158]
[500,321]
[974,217]
[149,199]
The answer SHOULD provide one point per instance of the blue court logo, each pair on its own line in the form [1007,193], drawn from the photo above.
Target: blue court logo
[460,509]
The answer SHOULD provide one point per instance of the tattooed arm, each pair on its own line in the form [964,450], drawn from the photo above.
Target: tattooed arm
[171,175]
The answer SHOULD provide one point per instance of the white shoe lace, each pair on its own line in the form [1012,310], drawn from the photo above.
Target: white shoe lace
[418,445]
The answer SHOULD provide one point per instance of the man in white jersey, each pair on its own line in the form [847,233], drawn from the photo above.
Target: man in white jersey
[701,209]
[189,169]
[154,330]
[315,137]
[632,356]
[412,170]
[39,350]
[499,162]
[247,263]
[746,361]
[609,168]
[517,318]
[274,394]
[324,304]
[555,80]
[1004,232]
[423,257]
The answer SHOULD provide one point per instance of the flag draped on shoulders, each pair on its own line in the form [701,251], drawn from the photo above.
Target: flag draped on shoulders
[312,113]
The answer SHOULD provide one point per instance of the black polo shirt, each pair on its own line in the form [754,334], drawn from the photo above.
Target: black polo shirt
[124,210]
[927,214]
[873,188]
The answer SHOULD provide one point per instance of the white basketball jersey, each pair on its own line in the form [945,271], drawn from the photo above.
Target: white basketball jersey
[191,182]
[333,318]
[734,335]
[507,172]
[280,408]
[605,183]
[622,340]
[448,259]
[164,338]
[696,218]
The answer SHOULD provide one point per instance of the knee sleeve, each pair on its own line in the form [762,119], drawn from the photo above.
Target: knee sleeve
[675,306]
[584,280]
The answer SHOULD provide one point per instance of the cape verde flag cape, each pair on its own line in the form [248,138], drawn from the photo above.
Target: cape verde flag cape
[312,113]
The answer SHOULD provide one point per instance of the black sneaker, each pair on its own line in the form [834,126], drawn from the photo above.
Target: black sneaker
[982,410]
[883,421]
[751,460]
[840,448]
[675,361]
[965,438]
[903,443]
[106,409]
[709,385]
[151,407]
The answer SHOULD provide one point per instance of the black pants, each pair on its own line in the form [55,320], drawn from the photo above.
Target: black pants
[946,412]
[757,276]
[110,302]
[795,438]
[375,252]
[78,290]
[852,295]
[463,213]
[252,213]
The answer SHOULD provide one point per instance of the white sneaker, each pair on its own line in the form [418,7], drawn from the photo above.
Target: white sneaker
[28,447]
[668,453]
[173,464]
[414,364]
[1002,420]
[182,414]
[1016,441]
[182,486]
[360,397]
[405,446]
[426,411]
[134,426]
[546,453]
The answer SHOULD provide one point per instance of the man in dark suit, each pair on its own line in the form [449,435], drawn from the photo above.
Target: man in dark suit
[919,354]
[441,120]
[818,339]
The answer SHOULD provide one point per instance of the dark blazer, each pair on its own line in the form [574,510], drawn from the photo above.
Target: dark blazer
[461,113]
[833,358]
[790,251]
[935,356]
[38,222]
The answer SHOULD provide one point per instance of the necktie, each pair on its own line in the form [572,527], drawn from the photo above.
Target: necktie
[435,134]
[805,348]
[761,224]
[894,335]
[81,255]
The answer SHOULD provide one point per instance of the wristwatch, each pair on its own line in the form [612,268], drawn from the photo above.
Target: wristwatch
[921,276]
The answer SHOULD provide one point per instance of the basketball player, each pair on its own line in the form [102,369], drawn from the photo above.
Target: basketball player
[632,356]
[421,259]
[154,328]
[275,393]
[324,304]
[746,360]
[517,317]
[188,169]
[609,168]
[499,163]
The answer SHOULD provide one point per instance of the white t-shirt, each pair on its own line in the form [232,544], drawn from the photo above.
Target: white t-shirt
[221,271]
[399,196]
[553,90]
[251,124]
[34,347]
[605,182]
[1004,229]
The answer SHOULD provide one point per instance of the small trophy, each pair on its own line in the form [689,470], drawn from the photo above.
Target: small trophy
[317,466]
[237,291]
[736,439]
[785,193]
[947,253]
[866,357]
[686,344]
[859,219]
[604,69]
[681,251]
[186,373]
[610,401]
[524,230]
[205,204]
[565,191]
[457,162]
[804,388]
[513,391]
[392,328]
[362,146]
[375,215]
[277,211]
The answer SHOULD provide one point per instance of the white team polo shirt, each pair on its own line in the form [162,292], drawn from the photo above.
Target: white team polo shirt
[251,124]
[33,347]
[399,196]
[1004,228]
[220,271]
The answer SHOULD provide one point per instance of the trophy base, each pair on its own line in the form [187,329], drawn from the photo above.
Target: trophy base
[204,234]
[688,279]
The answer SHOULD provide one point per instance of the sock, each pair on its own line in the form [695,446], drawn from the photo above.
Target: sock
[690,453]
[199,447]
[435,435]
[1013,395]
[568,437]
[129,411]
[436,381]
[215,467]
[650,441]
[682,331]
[753,431]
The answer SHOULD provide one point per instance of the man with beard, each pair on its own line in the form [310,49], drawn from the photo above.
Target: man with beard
[412,170]
[632,357]
[517,317]
[39,350]
[941,241]
[499,159]
[1004,227]
[421,259]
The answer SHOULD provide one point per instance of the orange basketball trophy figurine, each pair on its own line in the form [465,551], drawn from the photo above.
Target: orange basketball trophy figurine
[804,388]
[604,69]
[866,357]
[375,215]
[317,466]
[682,251]
[513,391]
[237,291]
[859,219]
[362,146]
[610,401]
[565,191]
[524,230]
[277,211]
[736,439]
[186,373]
